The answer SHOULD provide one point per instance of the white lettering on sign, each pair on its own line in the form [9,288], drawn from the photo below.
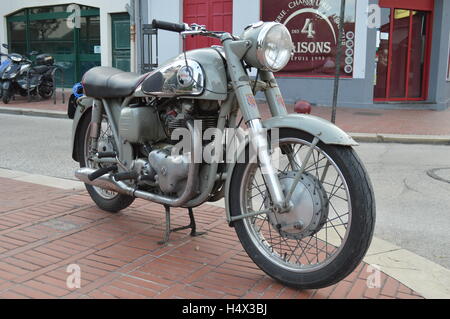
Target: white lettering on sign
[309,29]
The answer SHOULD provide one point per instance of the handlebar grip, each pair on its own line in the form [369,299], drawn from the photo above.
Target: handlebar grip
[168,26]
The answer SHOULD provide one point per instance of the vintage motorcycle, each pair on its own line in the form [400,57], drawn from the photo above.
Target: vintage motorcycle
[301,202]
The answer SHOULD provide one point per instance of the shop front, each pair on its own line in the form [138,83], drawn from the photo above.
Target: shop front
[395,52]
[45,29]
[80,35]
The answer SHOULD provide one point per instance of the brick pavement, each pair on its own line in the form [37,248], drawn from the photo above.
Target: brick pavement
[43,230]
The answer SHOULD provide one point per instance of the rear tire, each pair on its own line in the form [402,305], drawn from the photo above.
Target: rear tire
[6,98]
[359,229]
[46,90]
[113,204]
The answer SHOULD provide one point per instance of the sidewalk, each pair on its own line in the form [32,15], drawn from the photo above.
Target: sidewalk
[43,230]
[370,125]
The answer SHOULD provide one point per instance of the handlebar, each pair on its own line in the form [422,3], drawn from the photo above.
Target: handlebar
[169,26]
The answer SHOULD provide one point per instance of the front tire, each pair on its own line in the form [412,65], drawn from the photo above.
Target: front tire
[105,200]
[314,257]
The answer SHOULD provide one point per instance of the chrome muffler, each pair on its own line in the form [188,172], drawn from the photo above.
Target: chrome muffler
[106,182]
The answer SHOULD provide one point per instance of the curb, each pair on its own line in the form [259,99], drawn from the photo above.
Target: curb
[401,138]
[358,137]
[33,112]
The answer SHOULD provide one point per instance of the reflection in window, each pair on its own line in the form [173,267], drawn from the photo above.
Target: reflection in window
[89,34]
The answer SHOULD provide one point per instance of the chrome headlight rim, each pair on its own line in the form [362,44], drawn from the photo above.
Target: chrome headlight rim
[16,59]
[260,42]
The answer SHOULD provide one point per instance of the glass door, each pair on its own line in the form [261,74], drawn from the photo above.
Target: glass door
[403,47]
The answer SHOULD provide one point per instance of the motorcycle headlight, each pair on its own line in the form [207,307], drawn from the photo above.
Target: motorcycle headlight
[16,58]
[272,46]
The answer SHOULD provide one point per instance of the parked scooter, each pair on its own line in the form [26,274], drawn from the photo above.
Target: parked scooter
[22,77]
[5,63]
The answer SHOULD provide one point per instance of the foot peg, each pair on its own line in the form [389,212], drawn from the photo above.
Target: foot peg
[106,154]
[102,171]
[126,176]
[192,225]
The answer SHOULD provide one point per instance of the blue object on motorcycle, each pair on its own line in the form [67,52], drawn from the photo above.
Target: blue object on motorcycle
[4,65]
[77,90]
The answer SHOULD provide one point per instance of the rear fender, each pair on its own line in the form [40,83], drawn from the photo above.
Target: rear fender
[84,107]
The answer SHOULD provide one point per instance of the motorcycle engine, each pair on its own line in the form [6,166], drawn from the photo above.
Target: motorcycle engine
[153,129]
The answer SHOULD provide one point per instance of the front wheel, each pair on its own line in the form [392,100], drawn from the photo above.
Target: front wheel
[327,232]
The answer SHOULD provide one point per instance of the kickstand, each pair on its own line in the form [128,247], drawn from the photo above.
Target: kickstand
[192,225]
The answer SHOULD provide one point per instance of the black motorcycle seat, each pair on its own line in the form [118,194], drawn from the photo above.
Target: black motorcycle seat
[107,82]
[40,69]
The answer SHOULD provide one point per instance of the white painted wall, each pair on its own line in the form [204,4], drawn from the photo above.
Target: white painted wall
[362,11]
[106,8]
[245,12]
[170,43]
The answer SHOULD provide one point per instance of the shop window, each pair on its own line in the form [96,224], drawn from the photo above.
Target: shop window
[402,55]
[314,26]
[45,30]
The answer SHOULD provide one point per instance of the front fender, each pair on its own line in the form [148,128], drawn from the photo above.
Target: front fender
[325,131]
[84,104]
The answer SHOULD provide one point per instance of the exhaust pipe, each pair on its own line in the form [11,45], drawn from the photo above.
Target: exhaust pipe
[106,181]
[109,183]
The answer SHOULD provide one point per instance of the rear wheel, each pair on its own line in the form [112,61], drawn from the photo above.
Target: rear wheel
[46,89]
[105,199]
[324,237]
[6,98]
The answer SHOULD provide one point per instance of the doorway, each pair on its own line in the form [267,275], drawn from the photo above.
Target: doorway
[403,54]
[121,46]
[217,15]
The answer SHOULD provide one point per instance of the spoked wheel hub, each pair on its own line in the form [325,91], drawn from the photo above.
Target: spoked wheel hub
[309,207]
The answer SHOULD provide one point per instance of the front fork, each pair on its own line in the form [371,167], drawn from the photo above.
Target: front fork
[235,51]
[259,143]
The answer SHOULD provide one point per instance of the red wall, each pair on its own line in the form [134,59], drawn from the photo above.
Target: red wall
[422,5]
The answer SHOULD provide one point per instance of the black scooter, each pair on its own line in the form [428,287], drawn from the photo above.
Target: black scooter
[23,77]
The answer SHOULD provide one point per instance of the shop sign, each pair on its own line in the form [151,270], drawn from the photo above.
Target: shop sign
[314,26]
